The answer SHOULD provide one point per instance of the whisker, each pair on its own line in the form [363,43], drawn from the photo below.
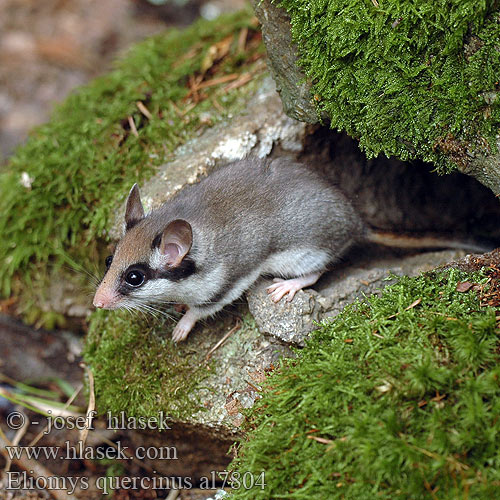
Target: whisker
[155,312]
[141,312]
[81,270]
[145,311]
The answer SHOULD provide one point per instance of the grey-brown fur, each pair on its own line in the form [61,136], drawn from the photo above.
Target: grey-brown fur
[209,243]
[248,218]
[248,210]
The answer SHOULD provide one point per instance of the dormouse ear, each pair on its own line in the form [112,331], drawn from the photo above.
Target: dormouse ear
[134,211]
[176,241]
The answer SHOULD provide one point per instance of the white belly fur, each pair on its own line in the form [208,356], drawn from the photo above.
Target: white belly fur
[294,263]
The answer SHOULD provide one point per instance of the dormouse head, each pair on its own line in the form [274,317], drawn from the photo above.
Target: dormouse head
[148,260]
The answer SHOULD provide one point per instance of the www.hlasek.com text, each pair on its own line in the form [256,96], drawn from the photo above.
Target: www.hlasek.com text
[79,451]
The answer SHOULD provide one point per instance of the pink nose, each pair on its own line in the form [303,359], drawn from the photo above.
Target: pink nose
[104,300]
[98,303]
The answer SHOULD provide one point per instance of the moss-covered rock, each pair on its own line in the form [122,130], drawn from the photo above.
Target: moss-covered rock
[397,398]
[414,80]
[60,190]
[139,370]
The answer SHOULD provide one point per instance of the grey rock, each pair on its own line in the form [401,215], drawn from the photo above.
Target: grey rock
[294,89]
[337,291]
[485,167]
[33,354]
[239,367]
[291,322]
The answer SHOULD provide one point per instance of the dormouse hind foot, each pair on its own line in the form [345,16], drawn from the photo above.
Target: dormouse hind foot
[184,326]
[282,287]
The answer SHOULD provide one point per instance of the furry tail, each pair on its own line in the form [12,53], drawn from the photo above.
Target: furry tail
[389,239]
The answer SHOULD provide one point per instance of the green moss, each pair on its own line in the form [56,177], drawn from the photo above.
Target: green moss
[84,160]
[397,398]
[138,369]
[410,79]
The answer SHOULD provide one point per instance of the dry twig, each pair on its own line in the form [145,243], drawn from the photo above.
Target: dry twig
[145,111]
[133,128]
[223,339]
[91,407]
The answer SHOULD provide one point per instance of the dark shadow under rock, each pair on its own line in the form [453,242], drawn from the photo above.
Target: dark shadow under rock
[404,196]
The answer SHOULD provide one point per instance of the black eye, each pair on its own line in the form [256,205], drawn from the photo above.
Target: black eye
[135,278]
[108,261]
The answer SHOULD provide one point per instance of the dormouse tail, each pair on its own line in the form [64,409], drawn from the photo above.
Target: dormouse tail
[396,240]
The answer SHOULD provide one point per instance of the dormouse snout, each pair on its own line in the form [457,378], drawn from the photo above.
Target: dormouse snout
[104,299]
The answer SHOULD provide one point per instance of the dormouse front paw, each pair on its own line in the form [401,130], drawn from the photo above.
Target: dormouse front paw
[185,325]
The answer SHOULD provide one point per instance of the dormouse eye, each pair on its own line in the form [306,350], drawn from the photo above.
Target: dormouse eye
[135,278]
[108,261]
